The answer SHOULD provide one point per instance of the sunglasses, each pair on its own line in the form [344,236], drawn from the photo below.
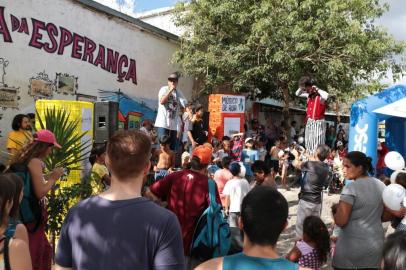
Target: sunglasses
[173,80]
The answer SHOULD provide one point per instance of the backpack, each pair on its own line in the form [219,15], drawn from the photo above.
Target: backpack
[211,237]
[30,208]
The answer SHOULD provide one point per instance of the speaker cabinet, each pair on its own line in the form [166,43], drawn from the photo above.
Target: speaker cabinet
[105,120]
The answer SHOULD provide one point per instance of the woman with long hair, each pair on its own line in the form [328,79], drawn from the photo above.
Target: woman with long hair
[31,158]
[14,253]
[360,213]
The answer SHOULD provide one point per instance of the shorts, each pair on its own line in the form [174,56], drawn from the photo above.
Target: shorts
[274,164]
[160,173]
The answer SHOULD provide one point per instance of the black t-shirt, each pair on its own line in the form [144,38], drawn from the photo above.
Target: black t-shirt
[315,175]
[198,132]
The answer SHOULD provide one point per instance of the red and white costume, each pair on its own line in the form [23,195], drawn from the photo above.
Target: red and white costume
[315,133]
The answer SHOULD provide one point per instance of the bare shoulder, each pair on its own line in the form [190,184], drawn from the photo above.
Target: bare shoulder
[213,264]
[19,255]
[35,162]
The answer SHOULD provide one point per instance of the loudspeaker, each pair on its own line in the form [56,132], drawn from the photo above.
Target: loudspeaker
[105,120]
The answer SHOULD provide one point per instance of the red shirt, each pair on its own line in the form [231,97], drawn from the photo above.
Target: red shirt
[187,195]
[315,108]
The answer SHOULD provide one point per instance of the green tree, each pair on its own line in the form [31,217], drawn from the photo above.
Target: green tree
[264,46]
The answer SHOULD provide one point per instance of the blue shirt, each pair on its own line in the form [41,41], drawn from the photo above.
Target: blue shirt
[100,234]
[240,261]
[248,157]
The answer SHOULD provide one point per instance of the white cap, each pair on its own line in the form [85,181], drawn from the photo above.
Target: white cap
[248,139]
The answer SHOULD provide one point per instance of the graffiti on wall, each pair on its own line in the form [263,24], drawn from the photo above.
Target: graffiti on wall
[132,111]
[8,95]
[66,84]
[59,40]
[41,86]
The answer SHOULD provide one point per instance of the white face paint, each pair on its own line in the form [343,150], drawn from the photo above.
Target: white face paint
[361,138]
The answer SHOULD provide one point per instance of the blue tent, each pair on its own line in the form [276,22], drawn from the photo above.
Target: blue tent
[389,106]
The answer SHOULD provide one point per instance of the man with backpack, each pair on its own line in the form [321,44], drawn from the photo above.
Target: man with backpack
[187,194]
[264,214]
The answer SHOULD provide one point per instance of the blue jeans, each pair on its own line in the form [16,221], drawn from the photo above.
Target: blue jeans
[174,144]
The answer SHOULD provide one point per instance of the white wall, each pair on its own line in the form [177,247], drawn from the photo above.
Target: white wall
[162,18]
[151,52]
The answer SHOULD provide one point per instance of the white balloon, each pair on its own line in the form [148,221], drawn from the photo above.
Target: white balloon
[393,196]
[394,161]
[243,170]
[395,174]
[300,140]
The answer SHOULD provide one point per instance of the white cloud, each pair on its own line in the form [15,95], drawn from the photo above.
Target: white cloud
[395,19]
[124,6]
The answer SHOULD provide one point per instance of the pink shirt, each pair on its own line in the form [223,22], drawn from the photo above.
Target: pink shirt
[221,177]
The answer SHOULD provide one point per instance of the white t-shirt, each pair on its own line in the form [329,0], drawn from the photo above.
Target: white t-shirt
[187,126]
[236,188]
[168,114]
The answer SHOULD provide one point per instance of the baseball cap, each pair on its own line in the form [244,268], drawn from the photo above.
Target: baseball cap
[248,139]
[46,136]
[173,76]
[204,153]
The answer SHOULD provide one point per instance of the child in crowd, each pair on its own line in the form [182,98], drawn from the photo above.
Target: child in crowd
[262,175]
[394,252]
[185,156]
[224,151]
[249,155]
[237,146]
[313,249]
[235,191]
[99,177]
[335,231]
[222,176]
[274,157]
[146,127]
[261,143]
[166,160]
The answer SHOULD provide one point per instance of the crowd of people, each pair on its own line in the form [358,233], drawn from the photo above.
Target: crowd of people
[151,191]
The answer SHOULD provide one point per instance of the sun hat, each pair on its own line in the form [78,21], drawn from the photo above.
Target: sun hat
[204,153]
[46,136]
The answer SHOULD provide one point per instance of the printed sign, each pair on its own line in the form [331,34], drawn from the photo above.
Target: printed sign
[87,118]
[361,138]
[232,104]
[231,125]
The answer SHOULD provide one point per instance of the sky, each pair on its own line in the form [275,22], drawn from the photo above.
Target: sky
[394,20]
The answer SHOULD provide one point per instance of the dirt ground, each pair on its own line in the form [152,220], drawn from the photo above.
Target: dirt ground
[287,238]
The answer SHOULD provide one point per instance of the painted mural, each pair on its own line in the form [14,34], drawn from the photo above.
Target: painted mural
[8,94]
[132,111]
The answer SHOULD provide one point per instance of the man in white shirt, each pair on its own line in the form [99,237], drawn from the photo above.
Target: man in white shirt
[168,119]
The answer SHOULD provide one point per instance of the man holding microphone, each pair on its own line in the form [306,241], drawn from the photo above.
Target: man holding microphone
[168,119]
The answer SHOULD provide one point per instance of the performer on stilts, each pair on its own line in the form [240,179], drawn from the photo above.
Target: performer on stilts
[315,132]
